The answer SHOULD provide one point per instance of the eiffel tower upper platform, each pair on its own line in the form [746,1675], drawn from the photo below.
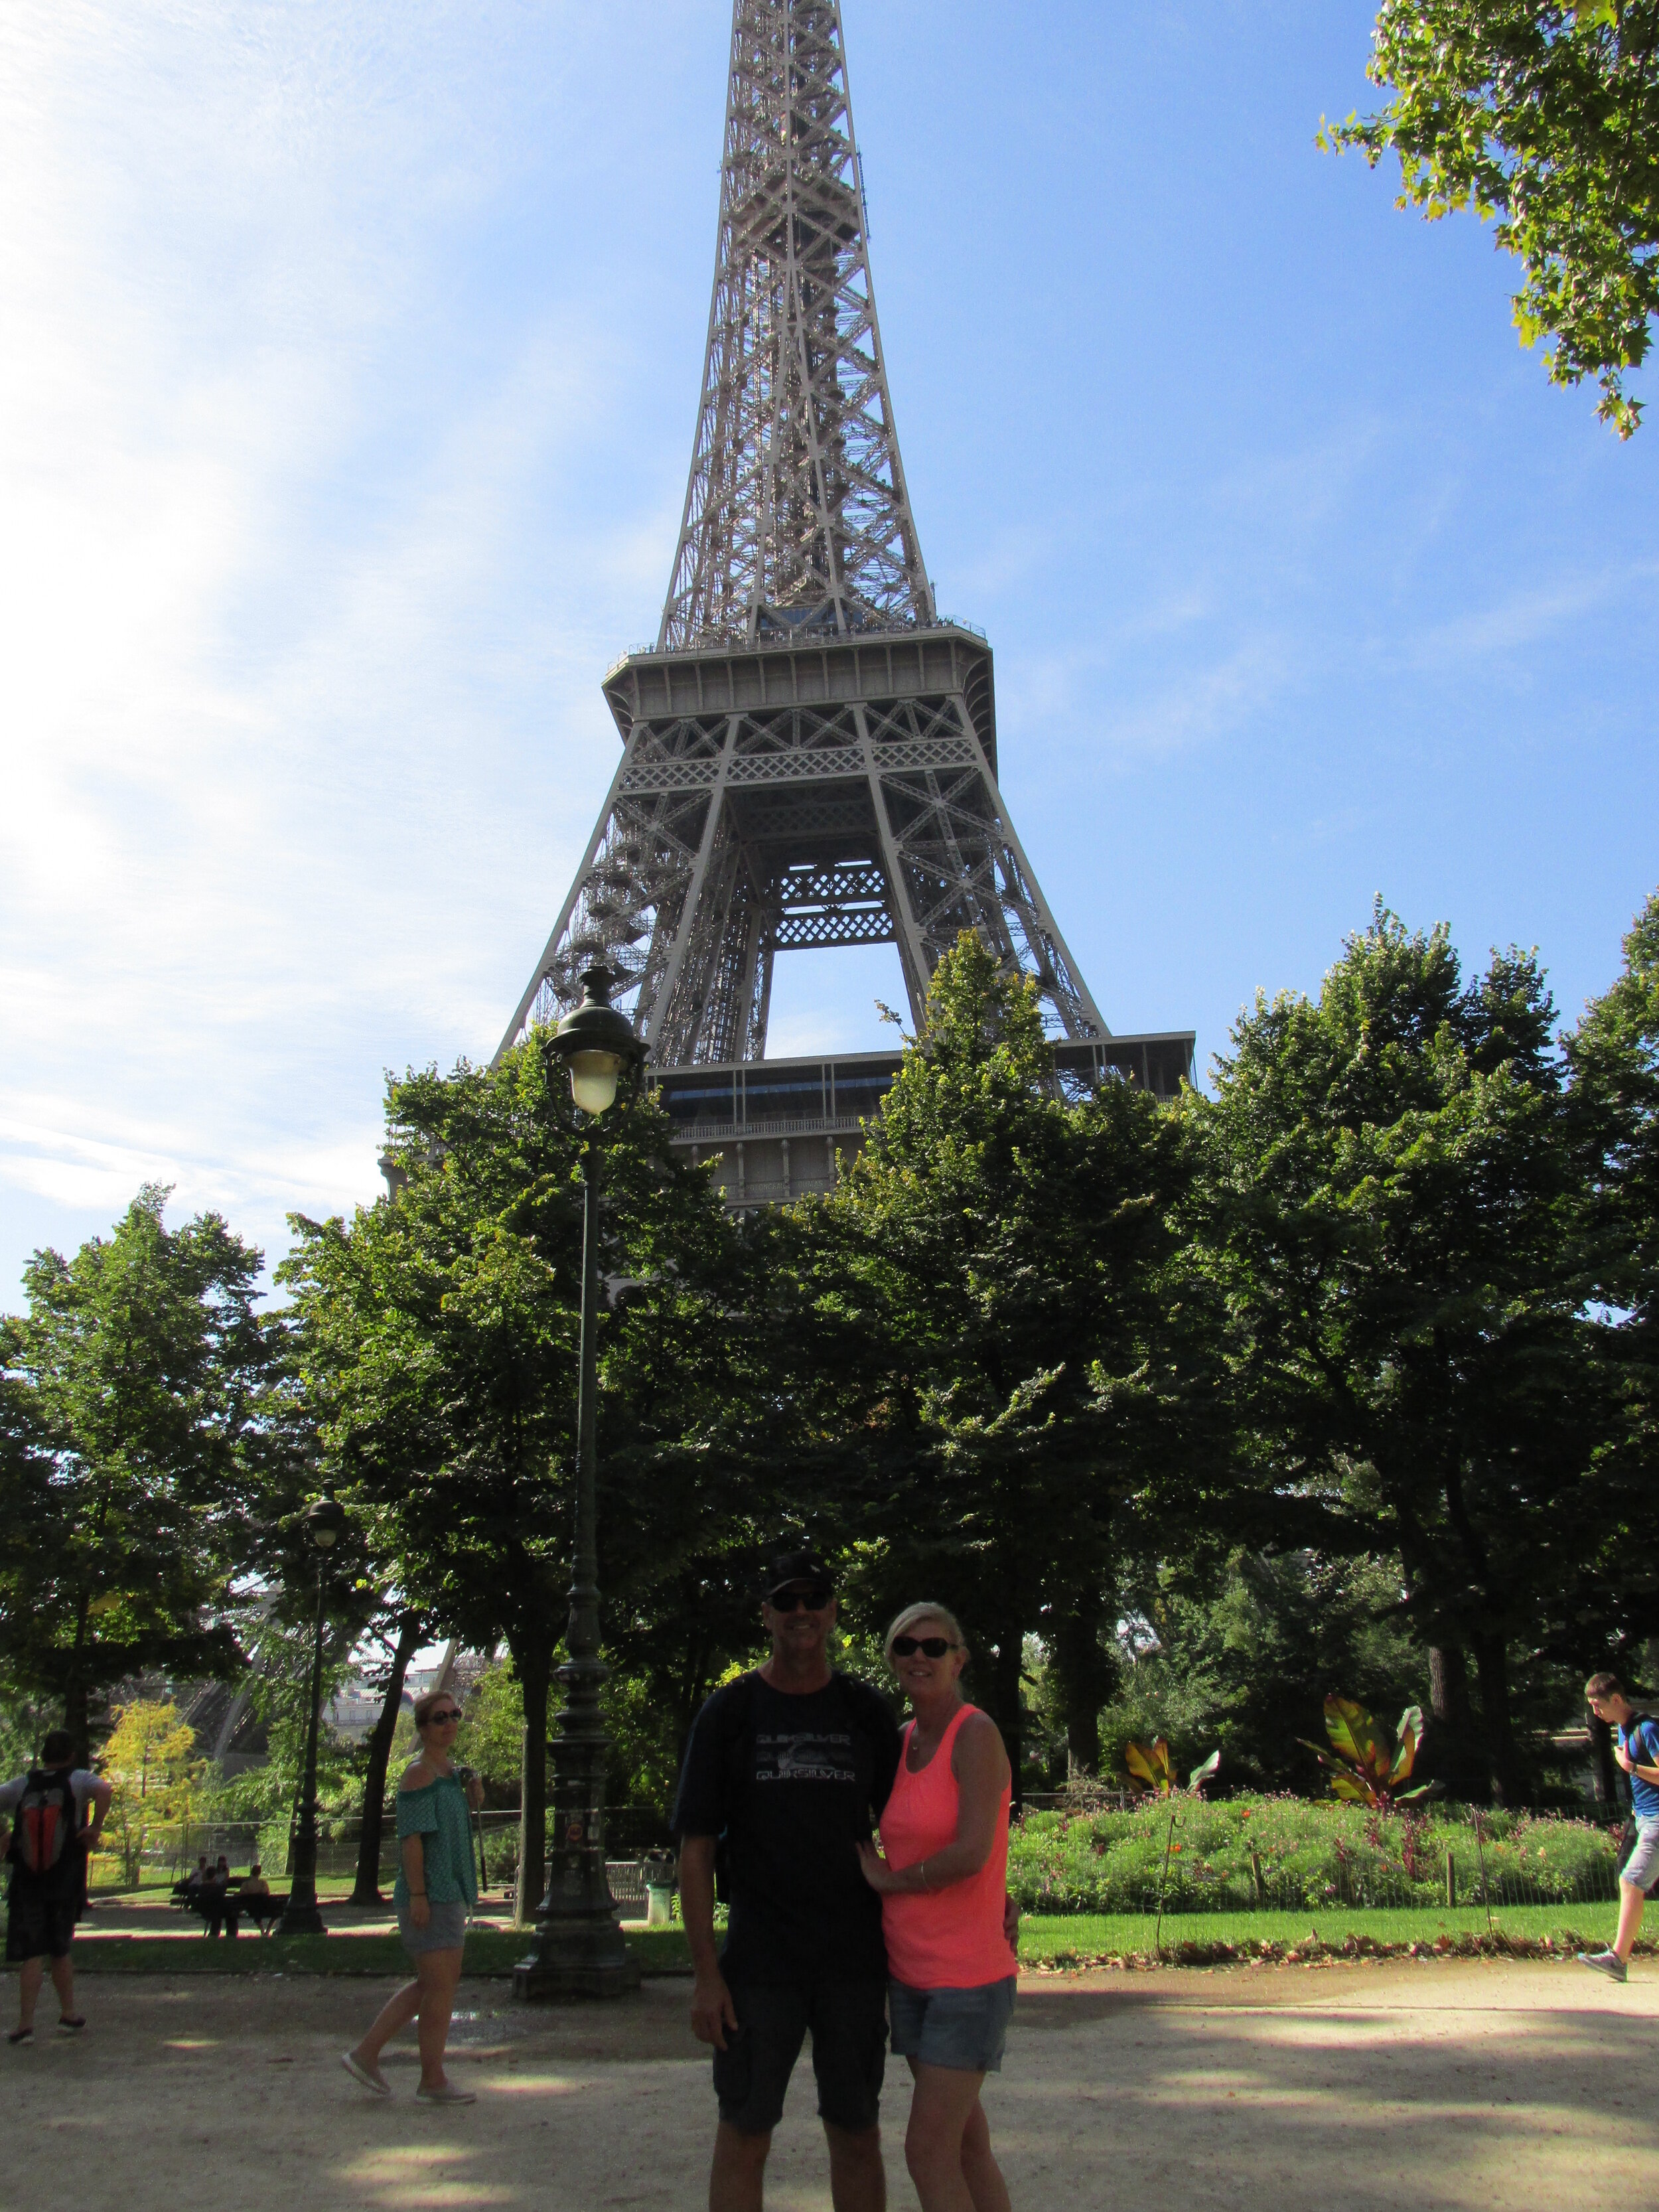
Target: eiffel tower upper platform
[809,750]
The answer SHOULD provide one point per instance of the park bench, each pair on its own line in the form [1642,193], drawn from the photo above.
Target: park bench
[263,1910]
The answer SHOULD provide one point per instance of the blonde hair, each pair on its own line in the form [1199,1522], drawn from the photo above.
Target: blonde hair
[927,1610]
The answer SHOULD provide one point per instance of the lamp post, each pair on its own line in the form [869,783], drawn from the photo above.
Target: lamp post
[323,1521]
[578,1950]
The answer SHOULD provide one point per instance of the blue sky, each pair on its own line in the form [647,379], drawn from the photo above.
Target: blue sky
[351,365]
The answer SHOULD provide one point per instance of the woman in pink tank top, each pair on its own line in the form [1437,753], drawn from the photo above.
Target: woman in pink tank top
[942,1874]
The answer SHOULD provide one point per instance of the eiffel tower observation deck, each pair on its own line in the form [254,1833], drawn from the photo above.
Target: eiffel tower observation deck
[809,749]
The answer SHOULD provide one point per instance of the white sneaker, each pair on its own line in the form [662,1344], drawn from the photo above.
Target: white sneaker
[1604,1962]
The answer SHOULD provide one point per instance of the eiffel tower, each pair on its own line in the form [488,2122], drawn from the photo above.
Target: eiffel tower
[808,749]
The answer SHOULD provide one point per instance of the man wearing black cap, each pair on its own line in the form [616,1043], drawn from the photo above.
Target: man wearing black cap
[783,1771]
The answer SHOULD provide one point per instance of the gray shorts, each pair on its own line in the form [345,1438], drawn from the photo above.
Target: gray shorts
[446,1930]
[1641,1868]
[963,2029]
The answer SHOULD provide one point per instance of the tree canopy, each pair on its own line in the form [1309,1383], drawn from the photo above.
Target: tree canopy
[1545,115]
[439,1332]
[141,1448]
[1343,1378]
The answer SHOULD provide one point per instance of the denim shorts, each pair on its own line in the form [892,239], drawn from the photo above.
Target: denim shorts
[963,2029]
[1641,1868]
[445,1931]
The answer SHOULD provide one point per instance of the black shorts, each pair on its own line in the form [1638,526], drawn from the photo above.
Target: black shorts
[37,1927]
[848,2022]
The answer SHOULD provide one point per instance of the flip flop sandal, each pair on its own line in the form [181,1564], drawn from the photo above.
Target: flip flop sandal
[449,2094]
[375,2083]
[20,2035]
[71,2023]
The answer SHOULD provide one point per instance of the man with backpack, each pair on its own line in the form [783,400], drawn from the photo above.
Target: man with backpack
[48,1847]
[786,1771]
[1636,1747]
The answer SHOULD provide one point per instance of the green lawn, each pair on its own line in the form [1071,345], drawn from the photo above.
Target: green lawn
[1051,1939]
[1093,1935]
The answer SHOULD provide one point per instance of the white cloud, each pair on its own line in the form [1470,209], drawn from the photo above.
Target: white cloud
[298,687]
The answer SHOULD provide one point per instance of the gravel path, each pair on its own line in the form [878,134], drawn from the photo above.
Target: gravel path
[1402,2085]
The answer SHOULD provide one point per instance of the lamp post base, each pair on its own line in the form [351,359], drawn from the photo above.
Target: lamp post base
[570,1964]
[578,1949]
[300,1917]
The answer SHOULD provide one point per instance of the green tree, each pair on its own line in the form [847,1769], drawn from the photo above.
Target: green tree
[278,1632]
[440,1337]
[490,1739]
[1396,1223]
[1544,113]
[150,1760]
[138,1456]
[1613,1053]
[1246,1651]
[992,1363]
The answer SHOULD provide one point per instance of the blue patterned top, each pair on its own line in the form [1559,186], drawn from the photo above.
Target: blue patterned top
[441,1817]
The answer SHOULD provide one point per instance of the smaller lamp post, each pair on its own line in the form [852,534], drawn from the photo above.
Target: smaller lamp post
[323,1521]
[579,1950]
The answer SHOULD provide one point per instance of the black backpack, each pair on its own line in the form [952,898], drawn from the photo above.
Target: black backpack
[46,1823]
[866,1709]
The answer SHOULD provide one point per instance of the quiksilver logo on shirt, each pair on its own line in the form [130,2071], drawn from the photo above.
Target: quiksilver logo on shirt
[804,1757]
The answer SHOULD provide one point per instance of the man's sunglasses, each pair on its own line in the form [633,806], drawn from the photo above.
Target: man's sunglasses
[799,1601]
[442,1720]
[931,1647]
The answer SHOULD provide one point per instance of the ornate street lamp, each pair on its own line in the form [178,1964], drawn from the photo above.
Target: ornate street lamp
[579,1950]
[323,1521]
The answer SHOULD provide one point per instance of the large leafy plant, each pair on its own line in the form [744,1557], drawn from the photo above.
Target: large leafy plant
[1150,1765]
[1366,1768]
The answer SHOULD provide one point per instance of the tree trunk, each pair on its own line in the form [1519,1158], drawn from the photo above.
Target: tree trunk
[1004,1671]
[1087,1676]
[366,1890]
[1491,1663]
[534,1671]
[77,1702]
[1452,1759]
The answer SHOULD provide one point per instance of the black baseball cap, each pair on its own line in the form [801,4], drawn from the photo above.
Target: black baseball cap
[786,1567]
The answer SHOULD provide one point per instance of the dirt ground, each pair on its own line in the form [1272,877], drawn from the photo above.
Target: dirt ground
[1405,2084]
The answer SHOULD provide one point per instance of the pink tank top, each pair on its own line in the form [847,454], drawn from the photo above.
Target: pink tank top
[950,1938]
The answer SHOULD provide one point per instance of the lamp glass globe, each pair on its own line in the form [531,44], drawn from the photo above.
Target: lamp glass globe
[593,1080]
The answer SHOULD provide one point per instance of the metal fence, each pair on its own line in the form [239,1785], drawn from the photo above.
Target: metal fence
[631,1831]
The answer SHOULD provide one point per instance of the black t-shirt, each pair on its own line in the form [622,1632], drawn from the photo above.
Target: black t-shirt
[792,1784]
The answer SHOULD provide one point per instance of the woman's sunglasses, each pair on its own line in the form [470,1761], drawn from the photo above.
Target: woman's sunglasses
[803,1600]
[442,1720]
[931,1647]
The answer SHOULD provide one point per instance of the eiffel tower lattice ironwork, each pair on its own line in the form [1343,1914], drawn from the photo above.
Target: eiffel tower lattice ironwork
[808,751]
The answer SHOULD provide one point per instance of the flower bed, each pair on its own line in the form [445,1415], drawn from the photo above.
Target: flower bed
[1247,1853]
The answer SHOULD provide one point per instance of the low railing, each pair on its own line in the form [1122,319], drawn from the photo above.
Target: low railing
[776,643]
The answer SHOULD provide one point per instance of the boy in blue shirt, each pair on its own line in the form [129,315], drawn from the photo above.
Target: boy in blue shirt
[1636,1747]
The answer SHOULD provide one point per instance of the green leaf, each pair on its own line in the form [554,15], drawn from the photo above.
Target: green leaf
[1411,1735]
